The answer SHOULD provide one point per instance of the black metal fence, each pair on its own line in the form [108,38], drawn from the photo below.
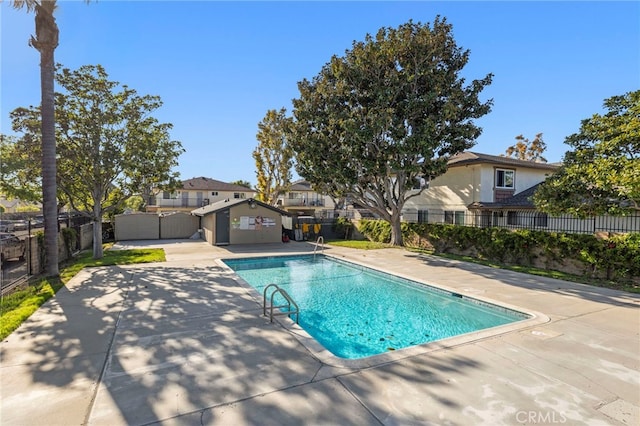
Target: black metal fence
[17,232]
[526,219]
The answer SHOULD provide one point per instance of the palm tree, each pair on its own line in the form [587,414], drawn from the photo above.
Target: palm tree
[45,42]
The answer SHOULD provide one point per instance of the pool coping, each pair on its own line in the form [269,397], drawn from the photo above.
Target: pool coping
[326,357]
[581,367]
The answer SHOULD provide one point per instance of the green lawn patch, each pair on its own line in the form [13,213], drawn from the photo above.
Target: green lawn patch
[359,244]
[111,257]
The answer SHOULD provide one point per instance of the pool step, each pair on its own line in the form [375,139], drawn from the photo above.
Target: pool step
[289,311]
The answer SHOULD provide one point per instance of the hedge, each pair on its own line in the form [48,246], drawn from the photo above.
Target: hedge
[613,257]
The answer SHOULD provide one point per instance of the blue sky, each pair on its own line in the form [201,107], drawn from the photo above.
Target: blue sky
[219,66]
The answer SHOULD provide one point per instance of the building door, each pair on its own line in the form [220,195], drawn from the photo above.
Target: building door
[222,227]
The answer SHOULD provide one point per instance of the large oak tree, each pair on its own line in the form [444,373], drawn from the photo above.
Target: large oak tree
[110,147]
[390,111]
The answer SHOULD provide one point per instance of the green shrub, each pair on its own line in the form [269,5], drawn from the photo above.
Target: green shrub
[375,230]
[69,236]
[614,258]
[342,227]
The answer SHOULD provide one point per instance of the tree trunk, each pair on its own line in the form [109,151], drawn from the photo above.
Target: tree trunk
[46,42]
[49,188]
[98,253]
[396,230]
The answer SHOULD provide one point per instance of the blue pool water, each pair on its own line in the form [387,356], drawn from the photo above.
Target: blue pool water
[355,312]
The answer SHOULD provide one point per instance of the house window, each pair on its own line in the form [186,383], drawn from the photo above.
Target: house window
[512,218]
[454,217]
[505,178]
[238,195]
[423,216]
[166,195]
[214,193]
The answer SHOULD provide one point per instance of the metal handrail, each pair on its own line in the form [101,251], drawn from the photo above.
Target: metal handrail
[288,298]
[320,238]
[264,297]
[288,306]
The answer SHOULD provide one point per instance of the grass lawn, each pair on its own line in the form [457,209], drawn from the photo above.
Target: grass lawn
[18,306]
[362,245]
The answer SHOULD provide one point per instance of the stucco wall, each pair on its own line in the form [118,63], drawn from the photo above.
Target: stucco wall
[454,190]
[524,179]
[208,227]
[194,198]
[461,186]
[245,231]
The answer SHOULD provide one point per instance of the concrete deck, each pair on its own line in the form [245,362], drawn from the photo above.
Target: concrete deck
[183,343]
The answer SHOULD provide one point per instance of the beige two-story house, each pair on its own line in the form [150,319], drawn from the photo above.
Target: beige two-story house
[197,192]
[472,184]
[302,200]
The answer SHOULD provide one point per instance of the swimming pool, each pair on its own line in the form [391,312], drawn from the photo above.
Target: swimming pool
[356,312]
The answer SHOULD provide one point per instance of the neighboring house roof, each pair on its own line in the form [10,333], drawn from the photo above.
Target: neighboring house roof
[468,157]
[227,203]
[9,204]
[300,185]
[521,200]
[15,203]
[206,184]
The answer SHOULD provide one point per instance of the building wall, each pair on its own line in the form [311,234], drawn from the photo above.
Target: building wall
[454,190]
[463,185]
[308,203]
[244,229]
[208,224]
[524,178]
[193,201]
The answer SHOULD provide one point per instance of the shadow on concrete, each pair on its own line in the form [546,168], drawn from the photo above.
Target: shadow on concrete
[534,282]
[141,345]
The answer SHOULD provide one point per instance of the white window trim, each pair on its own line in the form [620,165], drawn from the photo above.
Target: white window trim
[513,180]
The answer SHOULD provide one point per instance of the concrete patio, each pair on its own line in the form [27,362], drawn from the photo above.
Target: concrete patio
[184,343]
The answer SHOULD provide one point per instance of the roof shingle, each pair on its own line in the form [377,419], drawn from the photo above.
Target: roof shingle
[208,184]
[468,157]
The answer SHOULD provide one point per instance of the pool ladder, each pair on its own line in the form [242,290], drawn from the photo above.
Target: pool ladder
[288,312]
[320,240]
